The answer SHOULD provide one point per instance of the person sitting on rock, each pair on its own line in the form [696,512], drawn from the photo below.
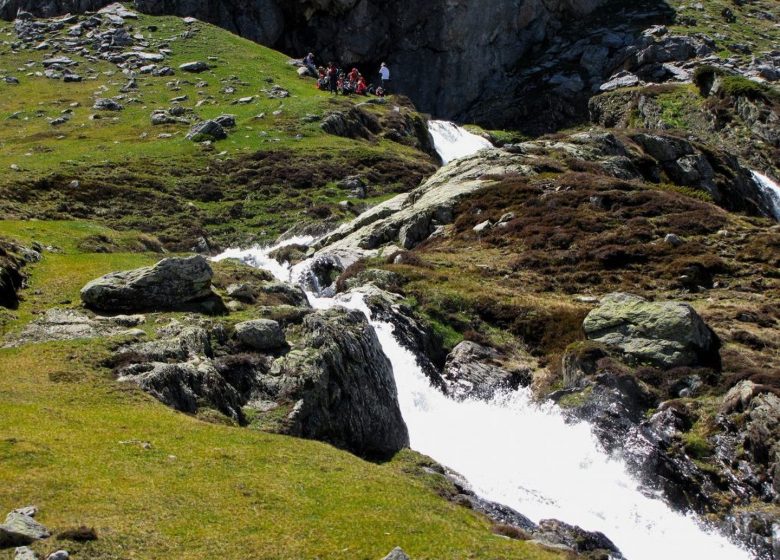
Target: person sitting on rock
[362,87]
[354,75]
[322,80]
[308,62]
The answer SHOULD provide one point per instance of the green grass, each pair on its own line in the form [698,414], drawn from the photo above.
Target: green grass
[173,188]
[73,445]
[73,441]
[677,106]
[755,32]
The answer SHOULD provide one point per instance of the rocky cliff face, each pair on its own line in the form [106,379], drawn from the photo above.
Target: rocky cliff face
[448,55]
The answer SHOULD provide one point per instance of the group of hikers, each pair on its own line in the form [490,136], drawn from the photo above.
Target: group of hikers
[335,80]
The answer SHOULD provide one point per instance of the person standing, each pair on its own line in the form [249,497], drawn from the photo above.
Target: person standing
[333,77]
[384,74]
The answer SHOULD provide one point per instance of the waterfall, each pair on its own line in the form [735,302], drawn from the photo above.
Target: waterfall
[523,454]
[771,192]
[453,142]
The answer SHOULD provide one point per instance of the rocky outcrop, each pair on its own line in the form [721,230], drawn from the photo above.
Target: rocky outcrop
[434,49]
[473,370]
[355,123]
[13,258]
[69,324]
[260,334]
[334,384]
[186,386]
[408,219]
[666,334]
[170,284]
[342,387]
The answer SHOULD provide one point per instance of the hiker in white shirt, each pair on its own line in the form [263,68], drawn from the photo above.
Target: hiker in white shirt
[384,73]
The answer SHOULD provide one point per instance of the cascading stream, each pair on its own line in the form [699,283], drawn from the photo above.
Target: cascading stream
[771,191]
[525,455]
[453,142]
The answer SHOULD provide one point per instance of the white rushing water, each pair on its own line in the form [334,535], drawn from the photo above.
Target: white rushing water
[516,452]
[453,142]
[771,190]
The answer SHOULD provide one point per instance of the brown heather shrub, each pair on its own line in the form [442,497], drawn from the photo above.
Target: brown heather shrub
[511,532]
[78,534]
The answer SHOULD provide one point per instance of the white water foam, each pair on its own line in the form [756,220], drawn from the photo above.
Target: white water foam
[453,142]
[525,455]
[258,257]
[771,191]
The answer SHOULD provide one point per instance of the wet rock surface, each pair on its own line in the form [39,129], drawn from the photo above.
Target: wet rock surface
[473,370]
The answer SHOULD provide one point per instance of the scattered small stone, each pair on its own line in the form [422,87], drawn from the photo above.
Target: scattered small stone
[207,130]
[397,554]
[673,240]
[194,67]
[278,92]
[58,555]
[105,104]
[479,228]
[25,553]
[226,121]
[11,80]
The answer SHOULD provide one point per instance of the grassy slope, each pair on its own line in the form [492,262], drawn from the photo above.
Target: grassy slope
[201,490]
[72,444]
[129,175]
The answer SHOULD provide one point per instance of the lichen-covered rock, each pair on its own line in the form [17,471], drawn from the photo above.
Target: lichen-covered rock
[25,553]
[739,397]
[20,530]
[169,284]
[206,130]
[342,386]
[188,343]
[261,334]
[665,334]
[69,324]
[194,67]
[397,554]
[355,123]
[186,386]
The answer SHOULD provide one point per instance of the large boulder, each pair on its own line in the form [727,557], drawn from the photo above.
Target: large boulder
[664,334]
[170,284]
[342,386]
[260,334]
